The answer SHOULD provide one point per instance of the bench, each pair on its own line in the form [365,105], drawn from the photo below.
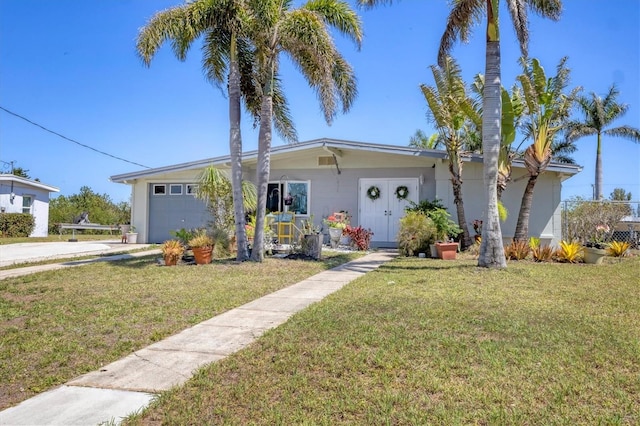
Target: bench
[93,226]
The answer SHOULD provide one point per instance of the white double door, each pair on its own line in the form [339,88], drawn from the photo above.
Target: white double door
[383,214]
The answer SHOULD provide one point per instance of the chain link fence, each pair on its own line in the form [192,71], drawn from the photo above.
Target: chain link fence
[601,221]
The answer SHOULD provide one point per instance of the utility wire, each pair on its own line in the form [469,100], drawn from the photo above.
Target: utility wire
[71,140]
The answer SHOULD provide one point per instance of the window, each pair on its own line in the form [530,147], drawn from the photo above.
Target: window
[192,189]
[292,196]
[27,203]
[159,189]
[175,189]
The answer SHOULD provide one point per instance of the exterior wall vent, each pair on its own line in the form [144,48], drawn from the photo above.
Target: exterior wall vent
[326,160]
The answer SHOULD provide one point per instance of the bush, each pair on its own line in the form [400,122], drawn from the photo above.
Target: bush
[360,237]
[16,225]
[517,250]
[416,232]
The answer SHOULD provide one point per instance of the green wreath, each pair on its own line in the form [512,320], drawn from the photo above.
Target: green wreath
[402,192]
[373,193]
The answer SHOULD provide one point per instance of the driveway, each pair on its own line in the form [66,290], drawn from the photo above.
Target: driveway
[33,252]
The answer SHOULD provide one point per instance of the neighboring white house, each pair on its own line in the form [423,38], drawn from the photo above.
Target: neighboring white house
[21,195]
[328,175]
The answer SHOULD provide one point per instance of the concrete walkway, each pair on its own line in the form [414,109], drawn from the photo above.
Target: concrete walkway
[129,384]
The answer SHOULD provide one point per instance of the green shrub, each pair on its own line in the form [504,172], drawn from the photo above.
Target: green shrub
[16,225]
[416,232]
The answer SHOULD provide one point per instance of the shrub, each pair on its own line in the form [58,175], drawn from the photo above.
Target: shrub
[360,237]
[542,253]
[517,250]
[416,232]
[569,252]
[16,225]
[617,248]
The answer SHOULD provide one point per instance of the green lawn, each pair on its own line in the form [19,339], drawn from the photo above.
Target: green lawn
[57,325]
[423,341]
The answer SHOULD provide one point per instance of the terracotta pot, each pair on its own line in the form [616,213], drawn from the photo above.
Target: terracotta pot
[202,254]
[594,255]
[170,260]
[447,251]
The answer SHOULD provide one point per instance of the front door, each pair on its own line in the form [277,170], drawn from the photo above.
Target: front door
[382,205]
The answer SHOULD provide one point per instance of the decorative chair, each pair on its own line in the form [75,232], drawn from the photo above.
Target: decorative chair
[284,226]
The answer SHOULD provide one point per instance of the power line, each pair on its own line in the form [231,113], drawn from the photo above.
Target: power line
[71,140]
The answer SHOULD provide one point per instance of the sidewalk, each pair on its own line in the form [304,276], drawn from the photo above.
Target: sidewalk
[129,384]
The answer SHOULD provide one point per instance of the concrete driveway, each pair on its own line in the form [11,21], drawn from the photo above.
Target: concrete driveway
[32,252]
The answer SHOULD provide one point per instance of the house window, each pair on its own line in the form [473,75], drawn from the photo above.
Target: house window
[159,189]
[192,189]
[175,189]
[27,204]
[291,196]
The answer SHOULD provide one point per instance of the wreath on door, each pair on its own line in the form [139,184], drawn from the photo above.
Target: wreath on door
[402,192]
[373,193]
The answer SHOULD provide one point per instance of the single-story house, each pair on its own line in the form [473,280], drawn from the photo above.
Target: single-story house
[21,195]
[323,176]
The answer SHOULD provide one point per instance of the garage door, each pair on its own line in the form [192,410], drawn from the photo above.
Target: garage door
[172,206]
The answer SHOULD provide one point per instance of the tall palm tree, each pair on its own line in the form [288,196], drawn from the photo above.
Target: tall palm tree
[547,110]
[464,14]
[512,108]
[452,112]
[599,113]
[304,35]
[226,55]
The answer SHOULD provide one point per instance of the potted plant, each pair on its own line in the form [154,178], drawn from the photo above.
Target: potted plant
[595,249]
[132,235]
[336,223]
[202,246]
[445,230]
[172,251]
[311,239]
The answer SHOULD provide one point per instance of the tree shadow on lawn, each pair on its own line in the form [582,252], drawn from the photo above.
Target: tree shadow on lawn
[431,265]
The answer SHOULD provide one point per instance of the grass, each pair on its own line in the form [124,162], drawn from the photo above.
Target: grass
[422,341]
[56,325]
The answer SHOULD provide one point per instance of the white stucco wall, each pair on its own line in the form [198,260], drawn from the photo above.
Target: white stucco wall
[39,209]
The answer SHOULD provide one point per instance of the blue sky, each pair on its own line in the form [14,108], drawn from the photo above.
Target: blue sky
[71,66]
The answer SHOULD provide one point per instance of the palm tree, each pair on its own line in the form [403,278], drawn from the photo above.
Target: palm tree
[452,112]
[512,108]
[304,35]
[463,15]
[547,111]
[225,52]
[599,113]
[422,141]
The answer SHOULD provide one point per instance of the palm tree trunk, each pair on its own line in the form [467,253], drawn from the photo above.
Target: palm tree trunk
[263,170]
[235,152]
[598,189]
[456,181]
[491,248]
[522,227]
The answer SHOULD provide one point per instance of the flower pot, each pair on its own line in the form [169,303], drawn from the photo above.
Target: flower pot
[171,260]
[202,255]
[312,245]
[447,251]
[334,236]
[132,237]
[594,255]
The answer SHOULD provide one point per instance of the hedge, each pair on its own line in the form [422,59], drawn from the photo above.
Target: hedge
[16,224]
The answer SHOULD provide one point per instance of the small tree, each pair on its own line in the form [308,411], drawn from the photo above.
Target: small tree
[214,187]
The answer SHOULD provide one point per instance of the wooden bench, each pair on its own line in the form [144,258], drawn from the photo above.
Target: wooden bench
[93,226]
